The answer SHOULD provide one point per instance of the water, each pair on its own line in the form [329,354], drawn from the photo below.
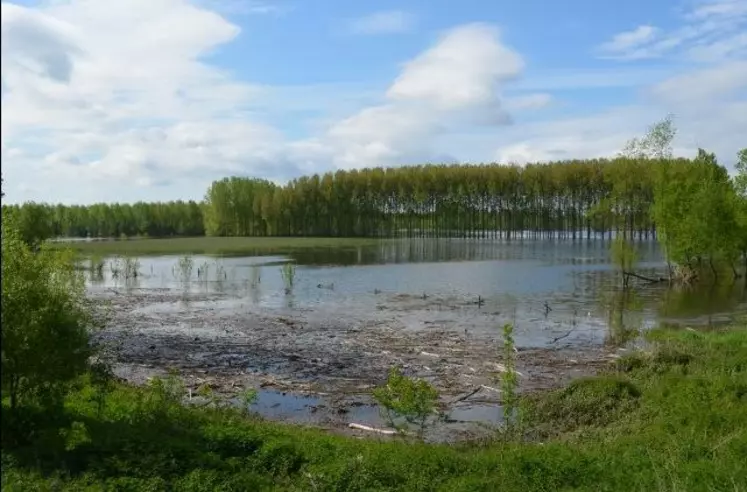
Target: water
[556,293]
[542,286]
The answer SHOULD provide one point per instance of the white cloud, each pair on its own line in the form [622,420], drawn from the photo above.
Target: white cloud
[626,41]
[707,85]
[455,83]
[713,31]
[99,104]
[247,7]
[462,69]
[385,22]
[119,92]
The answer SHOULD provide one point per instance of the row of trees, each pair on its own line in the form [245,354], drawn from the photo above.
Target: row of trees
[570,198]
[557,199]
[166,219]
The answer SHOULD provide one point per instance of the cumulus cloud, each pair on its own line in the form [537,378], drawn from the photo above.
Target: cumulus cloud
[96,93]
[99,104]
[455,83]
[103,93]
[385,22]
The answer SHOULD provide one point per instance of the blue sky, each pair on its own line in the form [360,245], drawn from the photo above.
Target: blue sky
[154,99]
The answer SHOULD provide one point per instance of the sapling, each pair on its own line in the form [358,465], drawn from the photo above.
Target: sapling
[411,399]
[508,380]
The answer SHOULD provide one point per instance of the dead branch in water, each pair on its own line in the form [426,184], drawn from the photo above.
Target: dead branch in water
[646,279]
[462,398]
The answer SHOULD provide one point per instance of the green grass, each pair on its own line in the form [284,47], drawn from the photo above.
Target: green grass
[671,419]
[212,245]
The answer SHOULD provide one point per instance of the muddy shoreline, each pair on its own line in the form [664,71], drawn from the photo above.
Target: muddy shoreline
[319,369]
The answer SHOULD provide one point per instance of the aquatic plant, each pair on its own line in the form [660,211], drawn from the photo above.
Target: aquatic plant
[183,268]
[203,271]
[220,272]
[96,267]
[256,278]
[126,267]
[288,272]
[411,399]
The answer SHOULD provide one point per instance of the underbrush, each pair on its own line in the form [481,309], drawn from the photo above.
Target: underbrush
[671,418]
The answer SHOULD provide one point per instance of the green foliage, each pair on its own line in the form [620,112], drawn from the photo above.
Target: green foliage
[656,144]
[675,420]
[32,222]
[45,320]
[585,402]
[488,200]
[114,220]
[402,397]
[509,381]
[237,207]
[624,255]
[695,214]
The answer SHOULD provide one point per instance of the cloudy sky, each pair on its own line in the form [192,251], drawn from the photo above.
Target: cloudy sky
[125,100]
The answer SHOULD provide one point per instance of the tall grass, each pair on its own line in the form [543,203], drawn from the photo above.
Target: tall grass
[288,272]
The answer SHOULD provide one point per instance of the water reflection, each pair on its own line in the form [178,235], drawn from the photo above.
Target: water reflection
[625,316]
[547,288]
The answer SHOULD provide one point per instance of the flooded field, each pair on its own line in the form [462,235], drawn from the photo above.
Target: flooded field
[316,338]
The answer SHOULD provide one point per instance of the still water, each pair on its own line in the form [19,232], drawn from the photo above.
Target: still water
[559,291]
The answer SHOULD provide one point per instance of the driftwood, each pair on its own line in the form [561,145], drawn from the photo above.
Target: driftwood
[462,398]
[372,429]
[652,280]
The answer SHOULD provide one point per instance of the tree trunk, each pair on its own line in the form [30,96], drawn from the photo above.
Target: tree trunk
[713,269]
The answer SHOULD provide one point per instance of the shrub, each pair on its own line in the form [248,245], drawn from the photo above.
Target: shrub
[45,320]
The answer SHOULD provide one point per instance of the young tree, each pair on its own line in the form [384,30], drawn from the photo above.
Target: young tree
[45,320]
[656,144]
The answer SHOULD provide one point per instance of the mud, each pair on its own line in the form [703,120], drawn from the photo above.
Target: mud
[318,367]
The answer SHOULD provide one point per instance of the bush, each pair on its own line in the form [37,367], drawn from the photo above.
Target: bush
[45,321]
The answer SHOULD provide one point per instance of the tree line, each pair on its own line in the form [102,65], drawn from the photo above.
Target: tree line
[560,199]
[165,219]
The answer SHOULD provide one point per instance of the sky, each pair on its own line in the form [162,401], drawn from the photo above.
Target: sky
[121,101]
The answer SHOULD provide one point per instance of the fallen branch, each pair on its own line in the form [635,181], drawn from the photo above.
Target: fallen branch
[462,398]
[646,279]
[429,354]
[372,429]
[554,340]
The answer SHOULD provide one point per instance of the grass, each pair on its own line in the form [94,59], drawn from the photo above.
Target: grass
[211,245]
[671,419]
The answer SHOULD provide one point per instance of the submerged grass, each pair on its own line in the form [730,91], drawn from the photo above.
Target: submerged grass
[212,245]
[671,418]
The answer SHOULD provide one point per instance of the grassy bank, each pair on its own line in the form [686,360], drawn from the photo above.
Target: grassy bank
[673,418]
[211,245]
